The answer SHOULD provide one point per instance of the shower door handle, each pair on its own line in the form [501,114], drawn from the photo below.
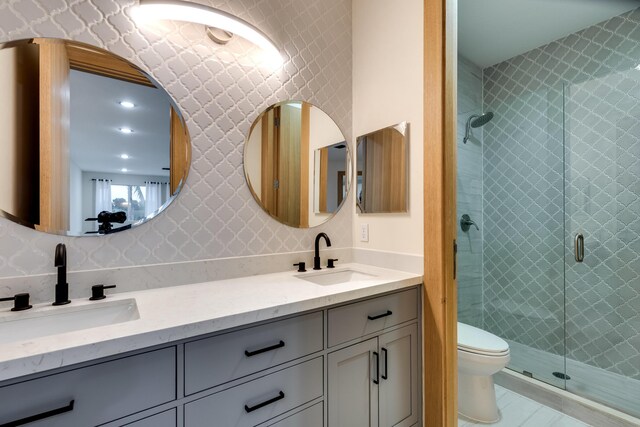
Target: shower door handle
[579,247]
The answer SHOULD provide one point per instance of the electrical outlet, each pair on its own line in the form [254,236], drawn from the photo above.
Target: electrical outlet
[364,232]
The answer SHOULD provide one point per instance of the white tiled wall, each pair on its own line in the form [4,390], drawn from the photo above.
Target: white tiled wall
[220,93]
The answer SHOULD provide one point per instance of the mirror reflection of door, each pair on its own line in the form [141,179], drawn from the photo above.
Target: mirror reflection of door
[382,163]
[285,176]
[282,157]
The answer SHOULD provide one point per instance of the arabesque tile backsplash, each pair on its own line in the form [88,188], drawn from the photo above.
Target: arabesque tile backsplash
[220,92]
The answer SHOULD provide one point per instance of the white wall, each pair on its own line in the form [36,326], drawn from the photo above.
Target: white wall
[387,89]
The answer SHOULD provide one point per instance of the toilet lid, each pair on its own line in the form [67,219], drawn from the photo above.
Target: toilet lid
[476,340]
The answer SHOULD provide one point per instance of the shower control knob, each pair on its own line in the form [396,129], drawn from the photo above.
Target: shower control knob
[466,222]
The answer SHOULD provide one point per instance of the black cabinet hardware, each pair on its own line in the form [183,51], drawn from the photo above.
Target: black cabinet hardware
[41,416]
[455,259]
[379,316]
[377,367]
[330,262]
[20,302]
[263,404]
[301,267]
[97,291]
[386,367]
[264,350]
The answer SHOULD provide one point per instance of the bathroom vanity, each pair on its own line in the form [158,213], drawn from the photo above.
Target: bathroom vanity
[338,348]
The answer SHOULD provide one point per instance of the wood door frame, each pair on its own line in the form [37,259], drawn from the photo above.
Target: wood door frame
[440,297]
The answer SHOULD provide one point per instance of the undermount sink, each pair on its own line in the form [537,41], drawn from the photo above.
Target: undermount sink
[327,278]
[45,321]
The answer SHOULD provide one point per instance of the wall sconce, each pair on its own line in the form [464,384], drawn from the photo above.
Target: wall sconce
[216,21]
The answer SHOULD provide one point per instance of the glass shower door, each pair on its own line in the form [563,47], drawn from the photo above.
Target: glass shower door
[523,224]
[602,204]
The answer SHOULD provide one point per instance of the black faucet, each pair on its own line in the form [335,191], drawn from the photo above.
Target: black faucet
[316,258]
[62,287]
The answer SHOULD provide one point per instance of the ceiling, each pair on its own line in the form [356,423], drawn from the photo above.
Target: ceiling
[97,116]
[491,31]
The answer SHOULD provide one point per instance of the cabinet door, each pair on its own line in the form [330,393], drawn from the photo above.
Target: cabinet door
[399,378]
[351,391]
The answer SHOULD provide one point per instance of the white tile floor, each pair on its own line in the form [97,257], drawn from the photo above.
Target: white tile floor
[519,411]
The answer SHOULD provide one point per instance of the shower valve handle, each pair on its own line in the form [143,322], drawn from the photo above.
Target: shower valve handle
[466,222]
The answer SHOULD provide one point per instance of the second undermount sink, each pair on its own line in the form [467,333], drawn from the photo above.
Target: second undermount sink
[45,321]
[335,277]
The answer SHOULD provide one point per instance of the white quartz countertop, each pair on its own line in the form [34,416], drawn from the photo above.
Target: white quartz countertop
[175,313]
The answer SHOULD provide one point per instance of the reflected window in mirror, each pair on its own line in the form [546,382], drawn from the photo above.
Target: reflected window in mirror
[297,164]
[85,132]
[382,170]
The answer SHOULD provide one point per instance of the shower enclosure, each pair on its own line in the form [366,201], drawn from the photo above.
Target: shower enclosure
[553,181]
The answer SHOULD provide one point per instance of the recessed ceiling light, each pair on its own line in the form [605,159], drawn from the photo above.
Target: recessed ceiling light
[124,170]
[126,130]
[127,104]
[124,156]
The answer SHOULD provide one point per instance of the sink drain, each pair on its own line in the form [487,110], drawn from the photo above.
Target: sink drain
[561,375]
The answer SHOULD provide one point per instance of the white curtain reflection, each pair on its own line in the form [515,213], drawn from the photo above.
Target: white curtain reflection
[155,196]
[102,191]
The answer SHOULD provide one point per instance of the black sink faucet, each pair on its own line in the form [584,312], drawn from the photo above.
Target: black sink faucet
[316,258]
[62,287]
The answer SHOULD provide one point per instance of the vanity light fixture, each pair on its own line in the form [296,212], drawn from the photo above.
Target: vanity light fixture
[126,130]
[127,104]
[179,10]
[124,156]
[124,170]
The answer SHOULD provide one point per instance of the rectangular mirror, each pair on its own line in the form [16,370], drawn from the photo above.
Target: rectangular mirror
[383,167]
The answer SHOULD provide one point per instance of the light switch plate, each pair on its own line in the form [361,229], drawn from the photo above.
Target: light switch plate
[364,232]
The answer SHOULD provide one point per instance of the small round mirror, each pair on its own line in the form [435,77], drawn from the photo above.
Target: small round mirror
[297,164]
[91,144]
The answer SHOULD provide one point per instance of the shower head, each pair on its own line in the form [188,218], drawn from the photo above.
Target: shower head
[476,121]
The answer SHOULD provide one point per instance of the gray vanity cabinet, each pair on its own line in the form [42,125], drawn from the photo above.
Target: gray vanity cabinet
[100,393]
[163,419]
[374,382]
[281,373]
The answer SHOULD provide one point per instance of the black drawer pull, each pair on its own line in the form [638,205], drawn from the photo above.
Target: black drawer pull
[379,316]
[40,416]
[265,403]
[264,350]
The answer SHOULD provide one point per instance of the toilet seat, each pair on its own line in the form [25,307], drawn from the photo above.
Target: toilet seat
[477,341]
[482,353]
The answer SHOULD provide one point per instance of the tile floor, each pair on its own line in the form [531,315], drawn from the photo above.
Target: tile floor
[519,411]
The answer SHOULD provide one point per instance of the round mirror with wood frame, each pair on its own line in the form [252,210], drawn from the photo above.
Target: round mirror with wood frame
[91,144]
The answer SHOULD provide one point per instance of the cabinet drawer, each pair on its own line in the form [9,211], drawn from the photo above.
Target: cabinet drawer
[355,320]
[258,400]
[217,360]
[101,393]
[163,419]
[310,417]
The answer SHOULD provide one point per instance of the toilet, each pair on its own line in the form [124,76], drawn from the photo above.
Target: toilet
[480,355]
